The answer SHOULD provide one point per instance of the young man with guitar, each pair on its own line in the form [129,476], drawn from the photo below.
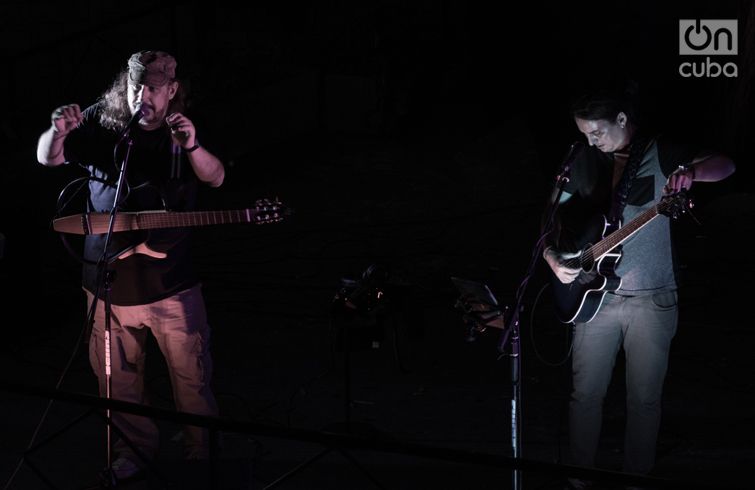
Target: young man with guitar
[619,290]
[140,120]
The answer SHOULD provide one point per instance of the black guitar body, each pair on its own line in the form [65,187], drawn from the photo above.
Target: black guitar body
[580,300]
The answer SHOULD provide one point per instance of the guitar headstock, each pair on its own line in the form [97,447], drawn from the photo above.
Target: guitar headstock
[674,205]
[269,211]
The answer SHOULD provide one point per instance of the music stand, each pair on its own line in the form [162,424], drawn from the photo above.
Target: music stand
[480,306]
[355,299]
[481,310]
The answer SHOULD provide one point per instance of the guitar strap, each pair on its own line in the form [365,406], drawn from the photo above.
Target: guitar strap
[637,150]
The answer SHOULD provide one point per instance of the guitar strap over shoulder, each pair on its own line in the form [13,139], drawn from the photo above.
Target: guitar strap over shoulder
[639,147]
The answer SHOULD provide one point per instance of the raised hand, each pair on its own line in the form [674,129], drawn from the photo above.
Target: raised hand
[66,118]
[181,130]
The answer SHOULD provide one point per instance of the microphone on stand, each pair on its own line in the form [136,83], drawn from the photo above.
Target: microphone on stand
[574,150]
[133,122]
[564,172]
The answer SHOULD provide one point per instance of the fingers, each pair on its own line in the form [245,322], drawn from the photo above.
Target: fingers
[680,179]
[174,119]
[70,112]
[182,129]
[567,276]
[67,117]
[565,273]
[179,123]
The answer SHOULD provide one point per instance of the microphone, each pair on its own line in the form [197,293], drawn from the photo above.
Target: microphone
[133,122]
[565,170]
[574,150]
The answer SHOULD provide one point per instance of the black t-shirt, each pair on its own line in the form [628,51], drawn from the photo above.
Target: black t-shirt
[157,179]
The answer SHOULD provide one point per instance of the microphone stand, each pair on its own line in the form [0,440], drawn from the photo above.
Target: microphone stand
[105,278]
[511,330]
[104,281]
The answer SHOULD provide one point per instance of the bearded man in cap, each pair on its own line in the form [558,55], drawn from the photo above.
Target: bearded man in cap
[140,122]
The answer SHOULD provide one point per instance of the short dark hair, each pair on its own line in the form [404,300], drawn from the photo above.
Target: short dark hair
[607,103]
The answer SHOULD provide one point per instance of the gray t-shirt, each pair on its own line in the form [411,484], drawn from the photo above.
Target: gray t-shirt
[647,263]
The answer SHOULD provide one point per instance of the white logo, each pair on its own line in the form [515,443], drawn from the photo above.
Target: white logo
[706,37]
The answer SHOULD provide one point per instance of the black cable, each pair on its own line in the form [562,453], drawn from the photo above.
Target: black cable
[532,336]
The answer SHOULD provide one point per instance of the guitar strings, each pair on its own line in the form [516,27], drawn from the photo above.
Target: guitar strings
[612,240]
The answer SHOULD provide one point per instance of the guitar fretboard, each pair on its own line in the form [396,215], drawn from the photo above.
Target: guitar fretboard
[98,223]
[152,220]
[598,250]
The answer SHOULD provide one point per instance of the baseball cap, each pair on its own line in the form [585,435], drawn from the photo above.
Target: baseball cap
[151,68]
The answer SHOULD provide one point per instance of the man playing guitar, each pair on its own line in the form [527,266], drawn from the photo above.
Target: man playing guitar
[630,177]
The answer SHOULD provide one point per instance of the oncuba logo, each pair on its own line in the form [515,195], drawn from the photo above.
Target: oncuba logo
[707,37]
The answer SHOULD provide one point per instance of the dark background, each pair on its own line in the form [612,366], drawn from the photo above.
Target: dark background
[420,136]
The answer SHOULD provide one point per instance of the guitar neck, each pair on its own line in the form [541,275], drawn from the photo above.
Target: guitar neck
[579,301]
[619,236]
[98,223]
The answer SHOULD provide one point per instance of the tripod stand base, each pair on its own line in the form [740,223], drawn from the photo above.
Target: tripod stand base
[342,427]
[319,456]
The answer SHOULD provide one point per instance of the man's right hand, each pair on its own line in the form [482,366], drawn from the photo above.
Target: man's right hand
[65,119]
[557,260]
[50,145]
